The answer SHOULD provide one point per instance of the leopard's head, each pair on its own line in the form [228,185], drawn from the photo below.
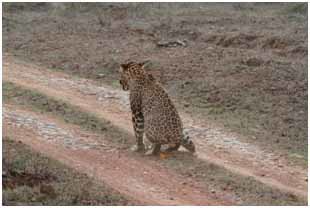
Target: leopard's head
[129,72]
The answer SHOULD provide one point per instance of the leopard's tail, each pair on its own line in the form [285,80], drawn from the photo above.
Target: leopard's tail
[188,144]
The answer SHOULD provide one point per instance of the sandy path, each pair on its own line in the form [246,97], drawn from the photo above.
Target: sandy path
[213,144]
[136,177]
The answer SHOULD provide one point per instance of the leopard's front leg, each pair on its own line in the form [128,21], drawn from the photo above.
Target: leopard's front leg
[137,117]
[138,125]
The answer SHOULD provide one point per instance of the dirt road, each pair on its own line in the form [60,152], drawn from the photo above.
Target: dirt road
[89,154]
[213,143]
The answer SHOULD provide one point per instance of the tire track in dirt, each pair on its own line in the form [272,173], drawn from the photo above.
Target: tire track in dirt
[213,144]
[136,177]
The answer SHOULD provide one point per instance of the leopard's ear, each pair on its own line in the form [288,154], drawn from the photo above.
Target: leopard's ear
[123,67]
[144,63]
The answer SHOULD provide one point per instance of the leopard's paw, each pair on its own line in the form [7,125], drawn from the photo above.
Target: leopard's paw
[138,148]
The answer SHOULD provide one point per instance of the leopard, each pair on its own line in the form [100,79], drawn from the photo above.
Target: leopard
[153,112]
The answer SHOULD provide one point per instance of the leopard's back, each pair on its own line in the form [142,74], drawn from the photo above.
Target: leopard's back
[162,121]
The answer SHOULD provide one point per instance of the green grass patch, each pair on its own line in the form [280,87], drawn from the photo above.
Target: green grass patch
[297,8]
